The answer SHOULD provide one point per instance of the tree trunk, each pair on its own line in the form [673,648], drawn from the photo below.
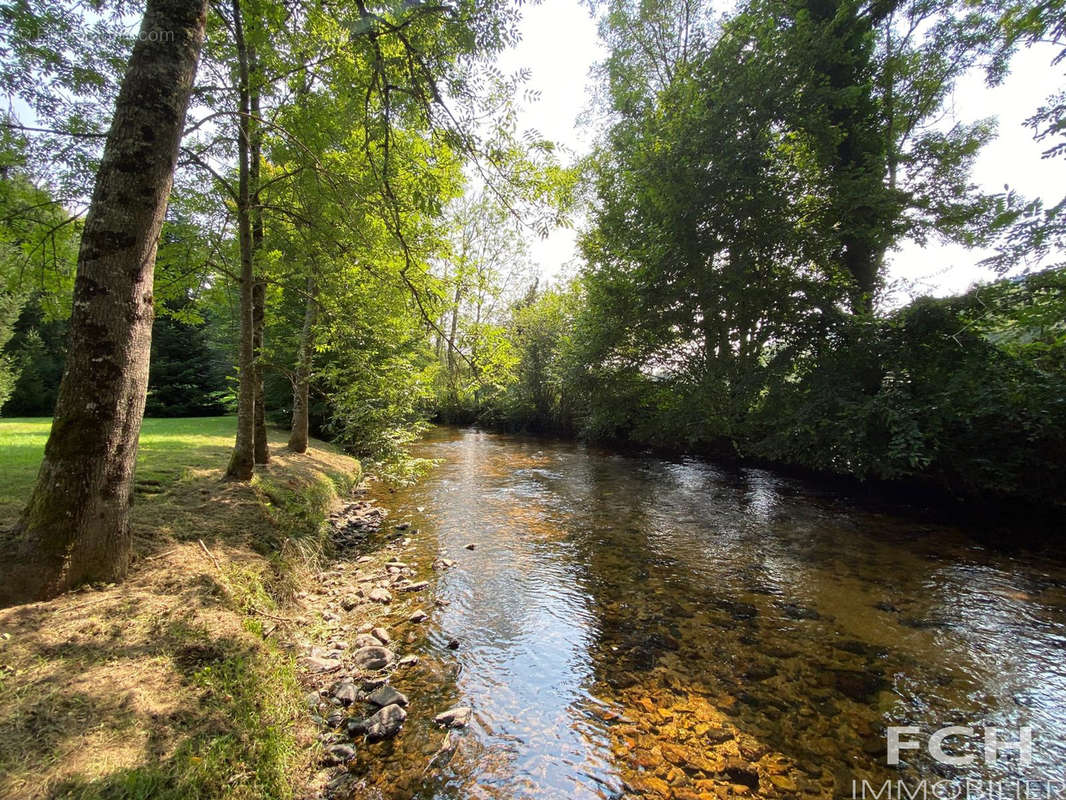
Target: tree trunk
[242,462]
[262,448]
[301,388]
[75,527]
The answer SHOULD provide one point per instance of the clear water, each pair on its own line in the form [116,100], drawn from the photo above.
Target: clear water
[640,627]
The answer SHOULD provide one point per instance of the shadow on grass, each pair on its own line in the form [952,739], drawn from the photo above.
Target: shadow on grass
[165,686]
[184,708]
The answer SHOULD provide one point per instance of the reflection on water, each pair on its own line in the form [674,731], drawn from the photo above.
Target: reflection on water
[634,627]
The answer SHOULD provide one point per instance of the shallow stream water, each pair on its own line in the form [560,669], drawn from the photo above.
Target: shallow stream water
[642,627]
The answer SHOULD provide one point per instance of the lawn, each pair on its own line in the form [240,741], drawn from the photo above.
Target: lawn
[168,686]
[168,447]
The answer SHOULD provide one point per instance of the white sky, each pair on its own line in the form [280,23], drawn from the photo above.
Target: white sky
[560,45]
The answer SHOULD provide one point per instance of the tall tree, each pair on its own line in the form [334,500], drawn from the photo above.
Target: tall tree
[242,461]
[75,527]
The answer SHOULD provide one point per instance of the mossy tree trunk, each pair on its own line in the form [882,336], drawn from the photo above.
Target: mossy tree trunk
[75,527]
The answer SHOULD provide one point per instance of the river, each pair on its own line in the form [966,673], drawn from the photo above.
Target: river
[645,627]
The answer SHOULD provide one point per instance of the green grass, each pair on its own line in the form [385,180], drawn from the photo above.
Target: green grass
[166,686]
[168,447]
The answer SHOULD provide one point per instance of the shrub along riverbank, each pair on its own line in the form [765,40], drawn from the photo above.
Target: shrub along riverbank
[171,684]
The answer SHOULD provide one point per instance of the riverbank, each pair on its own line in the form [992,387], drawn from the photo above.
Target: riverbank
[185,680]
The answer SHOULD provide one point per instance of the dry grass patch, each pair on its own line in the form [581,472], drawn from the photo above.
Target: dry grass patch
[167,686]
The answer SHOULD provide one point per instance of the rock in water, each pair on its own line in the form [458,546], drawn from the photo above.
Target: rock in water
[381,635]
[416,587]
[372,658]
[385,723]
[387,696]
[458,717]
[417,615]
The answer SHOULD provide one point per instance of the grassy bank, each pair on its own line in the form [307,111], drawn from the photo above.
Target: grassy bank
[169,685]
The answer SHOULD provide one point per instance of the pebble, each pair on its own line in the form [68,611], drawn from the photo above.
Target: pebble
[453,644]
[471,546]
[407,661]
[417,615]
[381,635]
[416,587]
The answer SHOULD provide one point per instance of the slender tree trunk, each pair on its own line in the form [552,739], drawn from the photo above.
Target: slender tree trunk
[75,527]
[452,379]
[301,388]
[242,462]
[262,448]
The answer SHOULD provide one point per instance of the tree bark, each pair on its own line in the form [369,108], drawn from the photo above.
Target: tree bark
[261,447]
[75,527]
[301,388]
[242,462]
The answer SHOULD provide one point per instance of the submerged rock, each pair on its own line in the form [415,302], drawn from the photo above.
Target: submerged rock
[858,686]
[458,717]
[793,611]
[385,723]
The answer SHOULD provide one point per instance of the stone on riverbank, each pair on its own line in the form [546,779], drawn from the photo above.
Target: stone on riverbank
[387,696]
[380,595]
[373,658]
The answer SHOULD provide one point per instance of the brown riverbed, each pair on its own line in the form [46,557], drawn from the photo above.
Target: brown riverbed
[640,627]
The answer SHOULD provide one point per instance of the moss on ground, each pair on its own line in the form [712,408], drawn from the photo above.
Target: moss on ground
[169,685]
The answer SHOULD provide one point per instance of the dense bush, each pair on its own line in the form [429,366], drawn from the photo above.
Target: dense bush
[923,394]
